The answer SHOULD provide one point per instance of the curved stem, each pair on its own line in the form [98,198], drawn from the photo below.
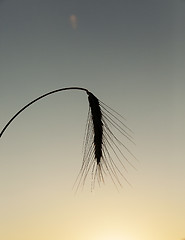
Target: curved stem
[35,100]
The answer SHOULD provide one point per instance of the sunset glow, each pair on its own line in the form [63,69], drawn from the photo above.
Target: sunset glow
[112,237]
[130,55]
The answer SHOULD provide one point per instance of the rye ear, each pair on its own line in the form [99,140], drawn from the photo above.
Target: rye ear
[103,151]
[96,116]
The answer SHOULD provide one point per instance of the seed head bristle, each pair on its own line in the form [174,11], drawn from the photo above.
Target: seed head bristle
[100,144]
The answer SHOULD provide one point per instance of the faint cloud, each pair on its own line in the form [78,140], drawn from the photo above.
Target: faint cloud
[73,20]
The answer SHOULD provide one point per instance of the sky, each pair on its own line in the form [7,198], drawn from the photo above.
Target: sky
[131,55]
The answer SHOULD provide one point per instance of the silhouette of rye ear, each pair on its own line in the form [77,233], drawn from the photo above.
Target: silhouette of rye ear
[100,142]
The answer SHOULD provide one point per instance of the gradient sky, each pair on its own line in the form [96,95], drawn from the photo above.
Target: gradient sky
[131,55]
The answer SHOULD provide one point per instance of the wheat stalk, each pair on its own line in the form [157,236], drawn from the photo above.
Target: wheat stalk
[99,141]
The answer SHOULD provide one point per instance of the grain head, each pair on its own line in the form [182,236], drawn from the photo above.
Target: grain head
[102,147]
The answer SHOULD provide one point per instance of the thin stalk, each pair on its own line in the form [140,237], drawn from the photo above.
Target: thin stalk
[37,99]
[99,139]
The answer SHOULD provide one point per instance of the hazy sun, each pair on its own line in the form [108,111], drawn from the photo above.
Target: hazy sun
[111,237]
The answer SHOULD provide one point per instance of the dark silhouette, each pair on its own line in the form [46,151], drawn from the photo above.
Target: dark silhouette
[100,142]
